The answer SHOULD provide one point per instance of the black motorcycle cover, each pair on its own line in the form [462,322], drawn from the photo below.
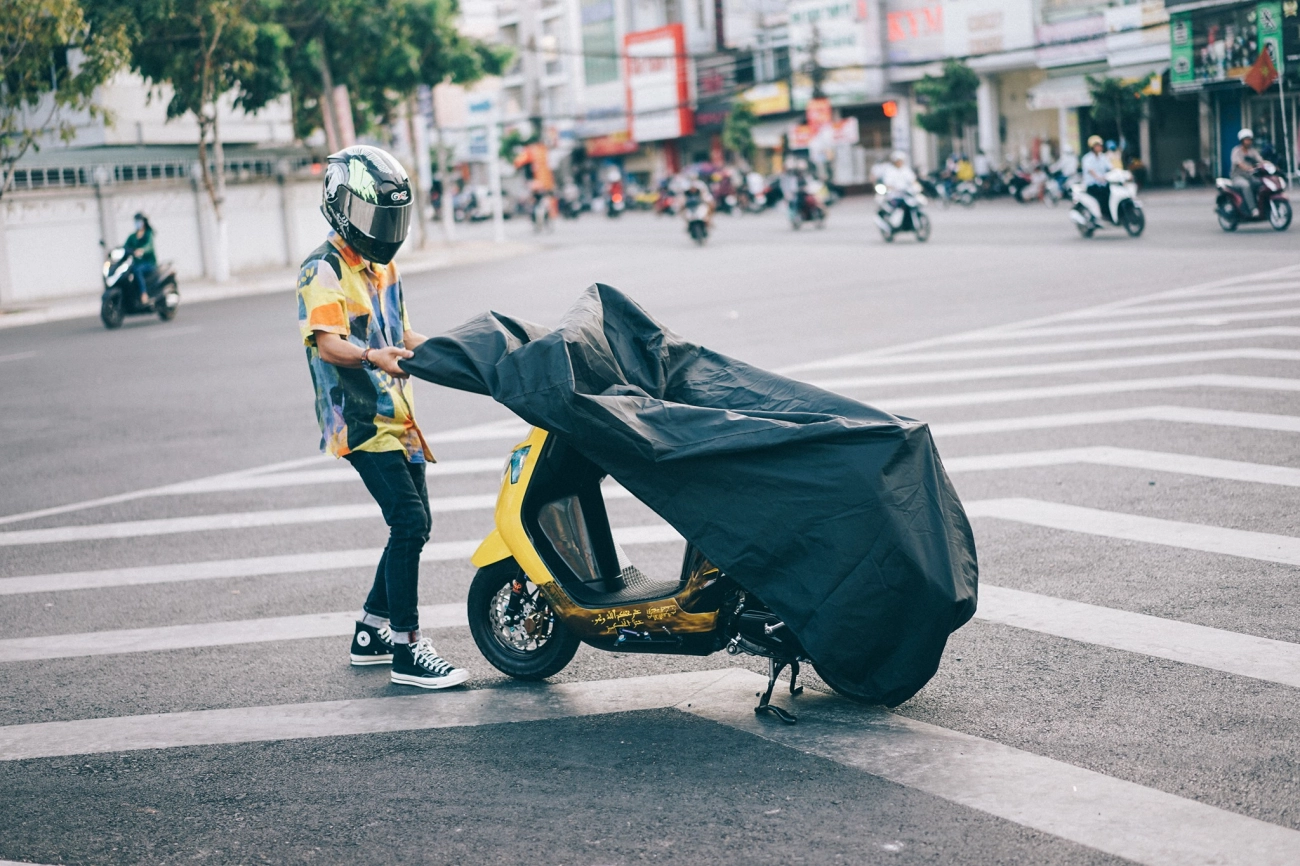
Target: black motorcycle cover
[839,516]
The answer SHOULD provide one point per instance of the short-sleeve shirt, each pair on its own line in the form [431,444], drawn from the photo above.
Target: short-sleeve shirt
[358,409]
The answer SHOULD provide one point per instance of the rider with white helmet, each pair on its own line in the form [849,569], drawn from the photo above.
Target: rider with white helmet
[1245,159]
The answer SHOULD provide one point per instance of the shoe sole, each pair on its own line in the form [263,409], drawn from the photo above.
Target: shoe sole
[446,682]
[365,661]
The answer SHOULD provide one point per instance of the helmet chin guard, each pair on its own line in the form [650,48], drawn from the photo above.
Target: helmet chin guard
[367,200]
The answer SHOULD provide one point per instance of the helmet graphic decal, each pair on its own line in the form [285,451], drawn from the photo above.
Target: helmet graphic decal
[361,182]
[335,175]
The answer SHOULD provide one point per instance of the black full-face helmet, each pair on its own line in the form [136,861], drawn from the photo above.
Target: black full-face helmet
[367,199]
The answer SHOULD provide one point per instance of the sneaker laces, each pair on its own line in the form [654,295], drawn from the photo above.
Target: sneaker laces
[424,655]
[385,634]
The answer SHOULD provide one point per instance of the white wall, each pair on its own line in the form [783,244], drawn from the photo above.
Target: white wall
[49,240]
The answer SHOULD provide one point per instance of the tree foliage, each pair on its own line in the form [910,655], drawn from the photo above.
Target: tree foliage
[949,99]
[381,50]
[51,61]
[1116,104]
[738,130]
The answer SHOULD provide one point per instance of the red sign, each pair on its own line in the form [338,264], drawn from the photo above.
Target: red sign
[889,108]
[615,144]
[819,112]
[658,87]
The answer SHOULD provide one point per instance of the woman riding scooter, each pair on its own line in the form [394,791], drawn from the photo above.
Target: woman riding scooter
[139,244]
[1095,167]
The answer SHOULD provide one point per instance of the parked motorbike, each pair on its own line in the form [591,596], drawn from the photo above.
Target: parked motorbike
[901,212]
[1270,200]
[806,208]
[121,297]
[696,212]
[551,576]
[1124,210]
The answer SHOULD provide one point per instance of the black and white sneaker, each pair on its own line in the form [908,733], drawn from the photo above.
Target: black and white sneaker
[418,664]
[372,646]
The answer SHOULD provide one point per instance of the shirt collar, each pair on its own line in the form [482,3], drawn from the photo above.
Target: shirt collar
[350,258]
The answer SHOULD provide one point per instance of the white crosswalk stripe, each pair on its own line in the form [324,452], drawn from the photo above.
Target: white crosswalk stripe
[1084,389]
[1176,414]
[1204,320]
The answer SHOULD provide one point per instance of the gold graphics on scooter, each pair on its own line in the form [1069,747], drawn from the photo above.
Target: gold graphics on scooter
[552,576]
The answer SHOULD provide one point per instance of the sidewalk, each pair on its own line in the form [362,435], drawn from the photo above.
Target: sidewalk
[434,257]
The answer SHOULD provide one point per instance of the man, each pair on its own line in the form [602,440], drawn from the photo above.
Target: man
[353,321]
[1245,159]
[1095,167]
[897,176]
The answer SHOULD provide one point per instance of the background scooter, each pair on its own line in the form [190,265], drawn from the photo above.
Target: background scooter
[121,297]
[901,213]
[1270,201]
[1125,209]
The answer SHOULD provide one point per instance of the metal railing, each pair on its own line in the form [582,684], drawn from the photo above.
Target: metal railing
[237,170]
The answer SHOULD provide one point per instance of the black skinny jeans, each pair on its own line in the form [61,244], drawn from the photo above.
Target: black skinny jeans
[398,486]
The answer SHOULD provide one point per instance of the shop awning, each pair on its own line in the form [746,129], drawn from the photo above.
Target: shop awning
[1068,91]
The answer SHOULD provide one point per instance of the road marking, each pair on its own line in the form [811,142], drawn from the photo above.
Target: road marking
[1118,817]
[868,360]
[1181,414]
[332,475]
[1206,320]
[1117,386]
[1242,654]
[1262,546]
[260,566]
[17,356]
[1232,652]
[447,709]
[1141,824]
[1158,461]
[972,373]
[1183,306]
[206,634]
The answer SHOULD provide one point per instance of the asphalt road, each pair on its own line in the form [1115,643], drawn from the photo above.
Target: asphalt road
[1119,415]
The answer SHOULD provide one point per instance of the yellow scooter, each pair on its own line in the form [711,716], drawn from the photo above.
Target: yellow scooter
[551,576]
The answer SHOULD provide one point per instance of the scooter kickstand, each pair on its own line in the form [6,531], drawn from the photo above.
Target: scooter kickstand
[794,678]
[774,669]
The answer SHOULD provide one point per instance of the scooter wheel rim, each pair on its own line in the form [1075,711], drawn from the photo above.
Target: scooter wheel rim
[532,630]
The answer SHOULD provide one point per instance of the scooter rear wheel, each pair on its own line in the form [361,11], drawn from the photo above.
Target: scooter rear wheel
[922,223]
[530,645]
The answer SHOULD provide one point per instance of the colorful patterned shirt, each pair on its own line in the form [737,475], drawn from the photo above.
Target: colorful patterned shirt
[358,409]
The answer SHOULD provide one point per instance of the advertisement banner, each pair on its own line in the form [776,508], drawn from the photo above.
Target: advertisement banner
[1181,73]
[845,39]
[768,98]
[658,87]
[913,30]
[614,144]
[826,136]
[1224,43]
[978,27]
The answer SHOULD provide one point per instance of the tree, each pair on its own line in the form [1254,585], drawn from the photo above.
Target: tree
[1117,104]
[50,64]
[949,101]
[203,50]
[738,130]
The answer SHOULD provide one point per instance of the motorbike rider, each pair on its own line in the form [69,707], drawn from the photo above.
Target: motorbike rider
[1095,167]
[139,245]
[696,192]
[353,322]
[898,177]
[1245,159]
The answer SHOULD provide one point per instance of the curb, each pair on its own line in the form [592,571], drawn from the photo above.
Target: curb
[87,306]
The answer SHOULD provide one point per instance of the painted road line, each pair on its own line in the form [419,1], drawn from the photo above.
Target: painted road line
[1180,414]
[246,520]
[1262,546]
[331,475]
[507,429]
[1242,654]
[191,635]
[1206,320]
[1184,306]
[1132,458]
[1141,824]
[1187,643]
[17,356]
[1116,386]
[446,709]
[967,374]
[262,566]
[868,360]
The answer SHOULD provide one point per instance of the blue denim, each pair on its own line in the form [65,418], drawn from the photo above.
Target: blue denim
[398,487]
[142,271]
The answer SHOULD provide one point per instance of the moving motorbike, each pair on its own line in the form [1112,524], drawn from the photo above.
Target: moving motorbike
[552,576]
[696,212]
[901,212]
[807,208]
[122,291]
[1270,199]
[614,201]
[541,213]
[1125,209]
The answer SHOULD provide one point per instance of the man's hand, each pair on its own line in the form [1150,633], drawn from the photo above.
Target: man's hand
[386,359]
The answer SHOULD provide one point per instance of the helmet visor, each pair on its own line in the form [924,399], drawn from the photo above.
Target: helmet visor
[387,225]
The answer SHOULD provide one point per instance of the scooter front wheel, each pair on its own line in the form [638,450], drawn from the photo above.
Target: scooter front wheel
[844,689]
[1279,214]
[514,626]
[110,311]
[922,223]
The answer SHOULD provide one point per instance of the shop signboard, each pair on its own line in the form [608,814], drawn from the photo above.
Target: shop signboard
[827,136]
[974,28]
[844,36]
[658,87]
[1219,45]
[771,98]
[614,144]
[913,30]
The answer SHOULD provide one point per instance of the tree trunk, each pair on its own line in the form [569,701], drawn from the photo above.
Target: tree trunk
[418,179]
[326,102]
[221,255]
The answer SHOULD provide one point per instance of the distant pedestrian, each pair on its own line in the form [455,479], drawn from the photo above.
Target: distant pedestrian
[353,320]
